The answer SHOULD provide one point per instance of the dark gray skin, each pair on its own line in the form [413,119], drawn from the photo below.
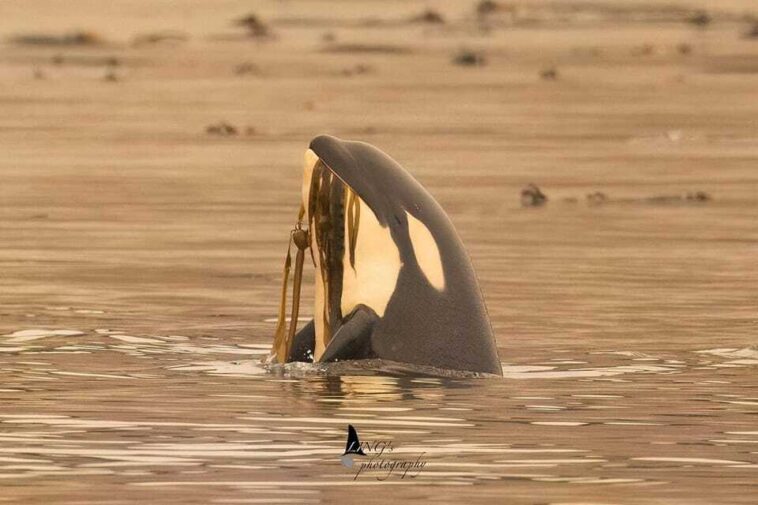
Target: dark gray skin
[421,325]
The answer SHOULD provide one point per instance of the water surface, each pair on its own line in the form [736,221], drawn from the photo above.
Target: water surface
[140,257]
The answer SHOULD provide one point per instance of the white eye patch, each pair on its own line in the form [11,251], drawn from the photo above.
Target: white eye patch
[427,252]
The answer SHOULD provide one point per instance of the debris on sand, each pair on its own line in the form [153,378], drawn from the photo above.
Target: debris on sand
[689,197]
[692,197]
[549,74]
[80,38]
[697,196]
[532,196]
[358,69]
[247,68]
[485,7]
[596,198]
[644,50]
[112,64]
[39,74]
[467,58]
[167,37]
[255,26]
[700,18]
[684,49]
[86,60]
[367,48]
[222,129]
[663,199]
[329,38]
[110,75]
[429,16]
[752,32]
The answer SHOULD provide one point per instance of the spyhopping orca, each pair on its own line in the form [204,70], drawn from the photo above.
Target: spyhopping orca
[393,280]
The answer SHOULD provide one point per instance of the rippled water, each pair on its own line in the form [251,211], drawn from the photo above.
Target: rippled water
[140,257]
[150,416]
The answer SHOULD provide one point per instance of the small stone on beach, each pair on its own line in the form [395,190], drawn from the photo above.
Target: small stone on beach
[596,198]
[549,74]
[684,48]
[700,18]
[429,16]
[255,26]
[532,196]
[486,7]
[247,68]
[222,129]
[697,196]
[752,32]
[468,58]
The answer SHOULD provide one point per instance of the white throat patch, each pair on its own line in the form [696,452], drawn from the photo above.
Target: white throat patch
[377,265]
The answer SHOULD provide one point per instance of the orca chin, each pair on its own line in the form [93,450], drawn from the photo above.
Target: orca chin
[392,278]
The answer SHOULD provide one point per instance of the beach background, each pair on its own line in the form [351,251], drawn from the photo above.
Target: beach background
[150,174]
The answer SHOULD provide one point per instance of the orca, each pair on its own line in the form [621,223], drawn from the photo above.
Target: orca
[393,280]
[352,447]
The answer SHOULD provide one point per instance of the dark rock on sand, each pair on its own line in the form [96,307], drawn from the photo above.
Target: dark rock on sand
[222,129]
[255,26]
[532,196]
[549,74]
[684,49]
[367,48]
[468,58]
[596,198]
[247,68]
[429,16]
[111,75]
[697,196]
[689,197]
[358,69]
[485,7]
[644,50]
[700,18]
[663,199]
[167,37]
[81,38]
[752,32]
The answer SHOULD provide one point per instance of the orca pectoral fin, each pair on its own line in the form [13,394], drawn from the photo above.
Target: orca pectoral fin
[303,344]
[353,339]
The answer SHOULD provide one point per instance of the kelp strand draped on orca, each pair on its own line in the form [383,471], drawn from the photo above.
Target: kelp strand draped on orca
[393,280]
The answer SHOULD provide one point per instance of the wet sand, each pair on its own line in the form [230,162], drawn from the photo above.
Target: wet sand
[141,255]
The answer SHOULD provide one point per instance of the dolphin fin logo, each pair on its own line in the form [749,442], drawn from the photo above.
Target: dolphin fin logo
[352,447]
